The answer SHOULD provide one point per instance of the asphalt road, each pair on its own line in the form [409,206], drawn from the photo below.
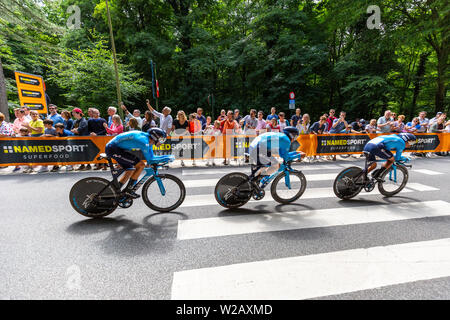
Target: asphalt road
[48,251]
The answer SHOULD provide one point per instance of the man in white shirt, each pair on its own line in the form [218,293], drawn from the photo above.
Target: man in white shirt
[423,121]
[165,119]
[385,124]
[136,114]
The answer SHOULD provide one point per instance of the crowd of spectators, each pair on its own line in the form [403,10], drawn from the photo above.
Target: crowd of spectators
[28,123]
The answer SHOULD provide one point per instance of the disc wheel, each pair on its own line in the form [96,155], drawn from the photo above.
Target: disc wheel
[284,192]
[345,186]
[84,197]
[233,190]
[394,181]
[175,192]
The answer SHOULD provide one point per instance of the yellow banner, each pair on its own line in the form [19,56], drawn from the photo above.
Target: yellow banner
[31,91]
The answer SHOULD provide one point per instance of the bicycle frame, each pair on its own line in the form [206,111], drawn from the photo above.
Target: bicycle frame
[284,167]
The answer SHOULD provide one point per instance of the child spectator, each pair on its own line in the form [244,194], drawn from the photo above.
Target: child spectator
[372,127]
[116,126]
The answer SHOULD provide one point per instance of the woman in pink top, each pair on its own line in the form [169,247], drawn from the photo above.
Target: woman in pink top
[262,124]
[20,120]
[116,126]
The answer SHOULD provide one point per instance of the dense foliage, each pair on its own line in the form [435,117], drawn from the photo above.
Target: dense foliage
[247,54]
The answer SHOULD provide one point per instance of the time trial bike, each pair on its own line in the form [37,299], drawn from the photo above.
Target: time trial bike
[352,180]
[236,189]
[96,197]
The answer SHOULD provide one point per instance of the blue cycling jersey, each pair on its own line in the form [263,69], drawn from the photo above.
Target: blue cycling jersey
[134,141]
[391,142]
[276,142]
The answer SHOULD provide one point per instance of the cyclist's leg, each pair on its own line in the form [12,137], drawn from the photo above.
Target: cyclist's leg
[272,166]
[370,155]
[386,154]
[127,161]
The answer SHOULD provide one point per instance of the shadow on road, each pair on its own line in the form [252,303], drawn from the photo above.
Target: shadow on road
[156,234]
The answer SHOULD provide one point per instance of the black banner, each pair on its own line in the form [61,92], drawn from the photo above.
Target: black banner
[34,106]
[341,143]
[47,151]
[31,94]
[30,81]
[426,142]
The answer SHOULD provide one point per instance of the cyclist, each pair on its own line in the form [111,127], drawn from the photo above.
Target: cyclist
[119,149]
[261,149]
[383,145]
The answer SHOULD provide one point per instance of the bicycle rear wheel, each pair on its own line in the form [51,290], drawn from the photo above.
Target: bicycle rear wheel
[345,185]
[233,190]
[284,193]
[84,197]
[394,181]
[175,192]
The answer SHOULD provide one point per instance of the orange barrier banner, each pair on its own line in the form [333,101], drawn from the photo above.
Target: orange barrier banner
[75,150]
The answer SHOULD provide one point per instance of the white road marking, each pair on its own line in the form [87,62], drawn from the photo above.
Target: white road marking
[429,172]
[310,193]
[213,182]
[305,219]
[318,275]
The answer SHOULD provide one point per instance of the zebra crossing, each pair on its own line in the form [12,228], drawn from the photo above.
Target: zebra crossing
[310,275]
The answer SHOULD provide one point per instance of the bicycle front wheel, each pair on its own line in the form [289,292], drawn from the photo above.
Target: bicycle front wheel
[88,199]
[288,188]
[233,190]
[165,197]
[394,181]
[348,183]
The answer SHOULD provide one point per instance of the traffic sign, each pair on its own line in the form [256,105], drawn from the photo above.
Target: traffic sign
[292,95]
[291,104]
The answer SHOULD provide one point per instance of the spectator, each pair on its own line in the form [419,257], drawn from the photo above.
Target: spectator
[23,132]
[208,124]
[399,125]
[165,119]
[413,126]
[54,115]
[20,120]
[62,132]
[27,113]
[237,116]
[296,117]
[261,126]
[95,124]
[304,126]
[320,126]
[423,121]
[372,127]
[358,125]
[331,119]
[349,129]
[438,126]
[213,131]
[386,123]
[111,112]
[273,126]
[136,115]
[201,117]
[149,121]
[49,131]
[282,122]
[80,128]
[340,124]
[272,114]
[180,127]
[116,126]
[36,125]
[326,122]
[228,127]
[6,129]
[195,126]
[133,125]
[68,122]
[223,115]
[447,126]
[250,122]
[435,118]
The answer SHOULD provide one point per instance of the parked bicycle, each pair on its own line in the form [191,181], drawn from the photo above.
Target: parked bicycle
[96,197]
[236,189]
[351,181]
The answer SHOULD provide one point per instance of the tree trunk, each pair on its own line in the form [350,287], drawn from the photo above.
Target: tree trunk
[441,89]
[418,82]
[3,97]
